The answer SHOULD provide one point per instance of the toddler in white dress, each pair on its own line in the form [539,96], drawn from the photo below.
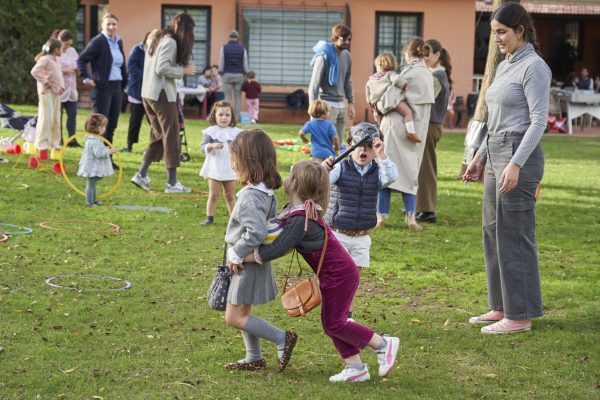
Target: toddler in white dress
[217,164]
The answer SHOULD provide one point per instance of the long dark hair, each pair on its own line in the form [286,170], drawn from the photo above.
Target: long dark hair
[514,16]
[436,47]
[181,29]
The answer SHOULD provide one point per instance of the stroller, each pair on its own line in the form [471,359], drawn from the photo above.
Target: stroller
[185,155]
[11,119]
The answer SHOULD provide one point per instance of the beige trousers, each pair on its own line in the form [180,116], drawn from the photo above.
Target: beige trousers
[47,130]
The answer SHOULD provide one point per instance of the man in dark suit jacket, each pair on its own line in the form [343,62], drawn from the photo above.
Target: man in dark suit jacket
[104,53]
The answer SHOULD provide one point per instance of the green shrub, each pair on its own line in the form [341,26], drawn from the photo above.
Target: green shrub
[24,28]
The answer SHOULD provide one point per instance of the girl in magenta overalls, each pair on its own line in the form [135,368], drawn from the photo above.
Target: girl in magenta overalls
[304,229]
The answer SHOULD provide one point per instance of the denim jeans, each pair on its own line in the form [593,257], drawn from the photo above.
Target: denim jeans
[384,198]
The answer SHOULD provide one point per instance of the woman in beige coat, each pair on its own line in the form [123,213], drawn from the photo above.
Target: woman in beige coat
[404,150]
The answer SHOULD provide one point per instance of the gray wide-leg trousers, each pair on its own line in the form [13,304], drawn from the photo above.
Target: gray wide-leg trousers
[509,239]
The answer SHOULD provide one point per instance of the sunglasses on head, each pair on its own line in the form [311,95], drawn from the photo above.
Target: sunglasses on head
[345,39]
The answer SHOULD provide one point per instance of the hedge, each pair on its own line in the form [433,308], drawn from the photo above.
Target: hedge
[24,27]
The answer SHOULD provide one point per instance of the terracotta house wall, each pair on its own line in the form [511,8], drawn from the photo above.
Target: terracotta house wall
[439,22]
[451,22]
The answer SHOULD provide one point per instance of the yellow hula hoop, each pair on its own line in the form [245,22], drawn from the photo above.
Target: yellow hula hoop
[113,189]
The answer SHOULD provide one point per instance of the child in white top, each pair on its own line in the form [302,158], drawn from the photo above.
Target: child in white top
[50,84]
[217,164]
[255,162]
[95,161]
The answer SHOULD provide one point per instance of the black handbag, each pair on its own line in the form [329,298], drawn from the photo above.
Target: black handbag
[217,292]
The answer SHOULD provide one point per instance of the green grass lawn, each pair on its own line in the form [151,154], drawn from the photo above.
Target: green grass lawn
[159,339]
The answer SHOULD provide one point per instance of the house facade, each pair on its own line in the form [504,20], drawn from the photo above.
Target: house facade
[279,35]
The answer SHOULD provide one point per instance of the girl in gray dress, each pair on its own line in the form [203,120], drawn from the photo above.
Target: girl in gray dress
[95,161]
[255,163]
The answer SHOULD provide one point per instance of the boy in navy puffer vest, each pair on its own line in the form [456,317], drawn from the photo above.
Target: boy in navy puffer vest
[355,181]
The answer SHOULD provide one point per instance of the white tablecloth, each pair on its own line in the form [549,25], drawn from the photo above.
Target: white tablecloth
[582,102]
[199,92]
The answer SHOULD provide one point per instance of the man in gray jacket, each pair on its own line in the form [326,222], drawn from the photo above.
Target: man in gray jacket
[331,78]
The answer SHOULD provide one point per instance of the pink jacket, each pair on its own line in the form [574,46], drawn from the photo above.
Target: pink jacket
[47,71]
[69,59]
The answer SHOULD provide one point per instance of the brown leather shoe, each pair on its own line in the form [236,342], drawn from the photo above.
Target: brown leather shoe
[251,366]
[290,342]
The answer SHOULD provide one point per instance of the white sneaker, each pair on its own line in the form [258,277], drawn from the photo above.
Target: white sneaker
[350,319]
[141,182]
[350,374]
[177,188]
[387,357]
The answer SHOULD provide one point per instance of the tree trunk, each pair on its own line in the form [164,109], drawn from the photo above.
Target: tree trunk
[476,130]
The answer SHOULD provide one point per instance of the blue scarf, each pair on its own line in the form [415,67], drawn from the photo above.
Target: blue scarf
[329,53]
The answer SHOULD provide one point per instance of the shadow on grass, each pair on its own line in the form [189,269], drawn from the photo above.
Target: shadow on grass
[572,324]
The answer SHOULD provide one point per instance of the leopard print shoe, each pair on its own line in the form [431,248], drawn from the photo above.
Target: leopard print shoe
[247,366]
[290,342]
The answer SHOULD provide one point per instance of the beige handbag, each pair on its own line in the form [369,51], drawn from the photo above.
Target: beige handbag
[305,295]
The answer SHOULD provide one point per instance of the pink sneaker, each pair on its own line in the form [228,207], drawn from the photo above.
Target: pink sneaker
[487,318]
[507,326]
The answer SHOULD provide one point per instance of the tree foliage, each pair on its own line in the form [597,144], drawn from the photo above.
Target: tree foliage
[24,27]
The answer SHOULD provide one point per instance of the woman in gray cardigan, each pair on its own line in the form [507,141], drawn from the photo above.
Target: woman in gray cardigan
[166,60]
[517,102]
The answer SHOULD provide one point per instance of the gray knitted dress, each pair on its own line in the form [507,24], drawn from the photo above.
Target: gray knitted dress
[95,160]
[246,230]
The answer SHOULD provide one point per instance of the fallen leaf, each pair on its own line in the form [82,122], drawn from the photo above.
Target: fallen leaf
[415,321]
[68,371]
[447,322]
